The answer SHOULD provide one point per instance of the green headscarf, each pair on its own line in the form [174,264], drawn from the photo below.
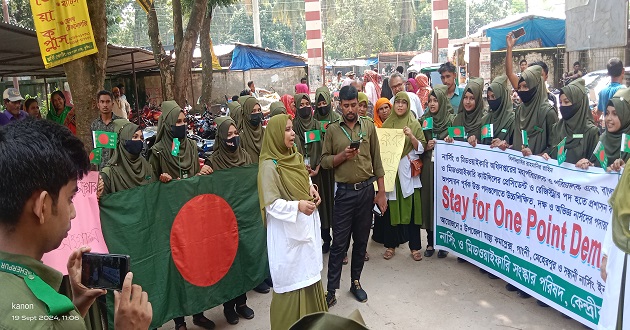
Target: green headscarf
[277,108]
[473,120]
[407,119]
[303,125]
[251,137]
[332,115]
[124,170]
[503,117]
[578,124]
[222,158]
[294,179]
[363,98]
[612,140]
[236,113]
[621,213]
[531,117]
[443,119]
[188,158]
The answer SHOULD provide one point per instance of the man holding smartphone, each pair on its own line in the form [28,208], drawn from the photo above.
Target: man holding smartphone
[43,161]
[351,148]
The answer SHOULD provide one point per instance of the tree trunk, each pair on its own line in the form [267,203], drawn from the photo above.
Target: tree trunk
[178,25]
[184,56]
[161,59]
[86,76]
[206,60]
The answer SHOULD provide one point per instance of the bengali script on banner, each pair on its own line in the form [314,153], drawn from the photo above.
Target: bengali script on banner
[392,142]
[64,30]
[537,225]
[85,227]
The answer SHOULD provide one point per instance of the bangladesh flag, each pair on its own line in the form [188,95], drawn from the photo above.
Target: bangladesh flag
[312,136]
[600,154]
[524,137]
[104,139]
[175,147]
[487,131]
[96,155]
[324,125]
[625,143]
[427,124]
[562,151]
[194,243]
[457,132]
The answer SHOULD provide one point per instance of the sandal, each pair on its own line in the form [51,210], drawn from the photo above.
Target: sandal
[345,259]
[389,253]
[429,253]
[416,255]
[367,257]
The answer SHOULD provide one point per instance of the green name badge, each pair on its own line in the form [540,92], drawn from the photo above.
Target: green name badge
[504,130]
[578,136]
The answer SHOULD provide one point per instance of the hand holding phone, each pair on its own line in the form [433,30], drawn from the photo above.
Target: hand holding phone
[518,32]
[377,211]
[104,271]
[355,145]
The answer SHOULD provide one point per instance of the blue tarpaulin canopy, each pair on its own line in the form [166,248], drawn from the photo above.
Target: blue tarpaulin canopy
[247,57]
[551,31]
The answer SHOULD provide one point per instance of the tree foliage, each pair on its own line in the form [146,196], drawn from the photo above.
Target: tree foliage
[481,13]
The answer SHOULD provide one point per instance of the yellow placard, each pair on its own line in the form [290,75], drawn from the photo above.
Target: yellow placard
[145,4]
[392,142]
[64,30]
[215,60]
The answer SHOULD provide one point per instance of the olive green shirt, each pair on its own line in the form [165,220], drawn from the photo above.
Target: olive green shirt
[363,166]
[20,309]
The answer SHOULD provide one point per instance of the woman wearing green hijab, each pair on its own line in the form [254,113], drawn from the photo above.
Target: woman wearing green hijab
[617,124]
[127,168]
[405,204]
[251,129]
[289,203]
[325,115]
[185,164]
[580,132]
[236,112]
[277,108]
[441,113]
[535,115]
[366,109]
[470,113]
[500,114]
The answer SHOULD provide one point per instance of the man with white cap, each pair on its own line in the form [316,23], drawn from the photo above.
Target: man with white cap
[13,106]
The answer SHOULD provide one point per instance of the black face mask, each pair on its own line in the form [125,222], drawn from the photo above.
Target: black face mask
[305,112]
[527,96]
[255,119]
[134,147]
[323,110]
[567,111]
[178,131]
[233,143]
[494,104]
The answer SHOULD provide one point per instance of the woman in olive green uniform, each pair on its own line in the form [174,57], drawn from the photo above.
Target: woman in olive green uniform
[441,111]
[470,113]
[500,114]
[251,129]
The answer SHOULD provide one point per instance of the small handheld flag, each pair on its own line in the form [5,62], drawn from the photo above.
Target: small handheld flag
[524,137]
[324,125]
[625,143]
[487,131]
[96,156]
[457,132]
[104,139]
[312,136]
[562,151]
[600,154]
[175,147]
[427,124]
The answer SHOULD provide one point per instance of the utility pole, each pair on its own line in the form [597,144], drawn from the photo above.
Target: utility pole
[256,16]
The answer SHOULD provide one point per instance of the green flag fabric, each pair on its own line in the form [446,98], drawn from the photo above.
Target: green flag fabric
[104,139]
[600,154]
[96,155]
[457,132]
[427,124]
[487,131]
[625,143]
[524,138]
[312,136]
[562,151]
[193,244]
[175,147]
[324,125]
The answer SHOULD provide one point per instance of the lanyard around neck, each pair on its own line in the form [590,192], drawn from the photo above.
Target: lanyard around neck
[56,303]
[348,135]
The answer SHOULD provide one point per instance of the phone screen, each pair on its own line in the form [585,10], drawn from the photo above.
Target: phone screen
[104,271]
[519,32]
[355,144]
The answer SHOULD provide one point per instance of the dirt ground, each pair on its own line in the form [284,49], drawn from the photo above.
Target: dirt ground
[429,294]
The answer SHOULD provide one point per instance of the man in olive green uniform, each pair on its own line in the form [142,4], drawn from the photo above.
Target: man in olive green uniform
[355,172]
[35,212]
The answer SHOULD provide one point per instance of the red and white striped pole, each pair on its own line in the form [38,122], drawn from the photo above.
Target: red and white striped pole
[314,49]
[439,19]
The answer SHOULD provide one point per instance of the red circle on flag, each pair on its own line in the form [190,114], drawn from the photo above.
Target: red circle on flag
[484,131]
[103,139]
[311,136]
[602,154]
[203,246]
[425,123]
[457,131]
[173,146]
[91,155]
[628,144]
[561,150]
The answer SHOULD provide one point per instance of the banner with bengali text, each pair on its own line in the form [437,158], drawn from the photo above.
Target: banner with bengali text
[85,227]
[64,30]
[391,142]
[537,225]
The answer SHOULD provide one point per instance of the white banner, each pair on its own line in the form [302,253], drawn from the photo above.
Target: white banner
[538,225]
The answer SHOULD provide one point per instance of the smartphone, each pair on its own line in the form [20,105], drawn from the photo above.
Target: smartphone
[104,271]
[376,210]
[518,32]
[355,144]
